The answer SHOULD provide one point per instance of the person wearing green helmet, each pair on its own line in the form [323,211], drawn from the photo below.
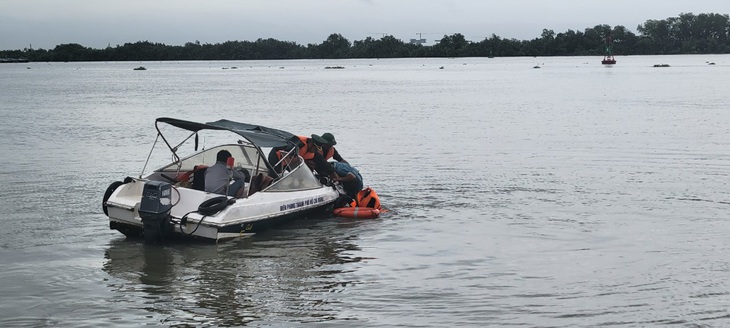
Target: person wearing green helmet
[328,150]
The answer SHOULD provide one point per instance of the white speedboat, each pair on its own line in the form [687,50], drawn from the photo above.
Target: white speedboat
[170,202]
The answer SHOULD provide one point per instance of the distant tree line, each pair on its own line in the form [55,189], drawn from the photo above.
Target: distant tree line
[686,34]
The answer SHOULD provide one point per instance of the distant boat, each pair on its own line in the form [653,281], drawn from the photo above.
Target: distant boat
[661,65]
[334,67]
[141,68]
[536,66]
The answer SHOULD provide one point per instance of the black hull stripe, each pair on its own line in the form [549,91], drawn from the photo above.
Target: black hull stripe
[134,231]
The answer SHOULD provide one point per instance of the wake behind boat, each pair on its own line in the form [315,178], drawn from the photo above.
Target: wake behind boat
[170,203]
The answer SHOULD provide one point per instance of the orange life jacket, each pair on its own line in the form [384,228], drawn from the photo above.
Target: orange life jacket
[304,150]
[330,153]
[280,154]
[366,198]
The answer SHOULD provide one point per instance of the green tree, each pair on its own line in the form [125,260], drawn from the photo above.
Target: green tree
[657,35]
[451,46]
[336,46]
[686,33]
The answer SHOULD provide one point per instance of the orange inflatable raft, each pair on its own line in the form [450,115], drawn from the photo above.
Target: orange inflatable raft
[357,212]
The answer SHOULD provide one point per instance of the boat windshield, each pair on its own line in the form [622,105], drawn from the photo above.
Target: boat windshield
[301,178]
[244,156]
[248,157]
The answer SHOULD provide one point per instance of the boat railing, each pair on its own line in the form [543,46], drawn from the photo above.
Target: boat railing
[288,159]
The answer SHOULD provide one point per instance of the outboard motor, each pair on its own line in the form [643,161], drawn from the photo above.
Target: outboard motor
[155,211]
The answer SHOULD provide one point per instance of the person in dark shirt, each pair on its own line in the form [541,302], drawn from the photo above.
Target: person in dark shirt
[328,150]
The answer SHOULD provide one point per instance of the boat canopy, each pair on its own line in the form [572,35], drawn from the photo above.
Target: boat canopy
[258,135]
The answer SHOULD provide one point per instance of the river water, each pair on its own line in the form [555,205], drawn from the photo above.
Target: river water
[569,195]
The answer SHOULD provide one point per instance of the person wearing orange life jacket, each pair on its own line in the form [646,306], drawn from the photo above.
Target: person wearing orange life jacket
[329,151]
[290,160]
[313,154]
[310,149]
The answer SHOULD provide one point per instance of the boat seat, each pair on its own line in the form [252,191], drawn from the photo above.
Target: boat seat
[199,177]
[246,174]
[259,182]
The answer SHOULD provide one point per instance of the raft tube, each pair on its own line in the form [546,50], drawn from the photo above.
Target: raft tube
[357,212]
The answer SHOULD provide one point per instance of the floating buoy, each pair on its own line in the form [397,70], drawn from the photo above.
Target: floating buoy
[357,212]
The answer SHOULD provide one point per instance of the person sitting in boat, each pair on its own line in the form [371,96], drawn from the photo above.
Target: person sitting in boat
[328,150]
[217,177]
[349,177]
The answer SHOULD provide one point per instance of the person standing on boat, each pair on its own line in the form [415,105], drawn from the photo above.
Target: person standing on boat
[328,150]
[310,149]
[217,177]
[276,155]
[349,177]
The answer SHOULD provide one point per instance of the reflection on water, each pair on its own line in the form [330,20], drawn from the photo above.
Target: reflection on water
[271,276]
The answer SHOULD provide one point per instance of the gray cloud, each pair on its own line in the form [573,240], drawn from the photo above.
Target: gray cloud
[93,23]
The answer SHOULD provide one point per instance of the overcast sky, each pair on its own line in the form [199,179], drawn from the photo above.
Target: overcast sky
[98,23]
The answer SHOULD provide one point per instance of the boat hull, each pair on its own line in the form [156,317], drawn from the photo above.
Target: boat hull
[243,217]
[211,233]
